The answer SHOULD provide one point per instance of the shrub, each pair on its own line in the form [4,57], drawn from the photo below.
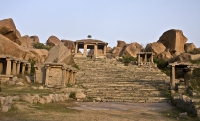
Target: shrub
[72,95]
[126,59]
[195,61]
[76,66]
[162,65]
[195,79]
[41,46]
[32,62]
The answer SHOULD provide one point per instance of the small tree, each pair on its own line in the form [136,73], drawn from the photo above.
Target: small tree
[89,36]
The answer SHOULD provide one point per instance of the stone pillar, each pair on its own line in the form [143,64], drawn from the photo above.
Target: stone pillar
[47,74]
[8,66]
[76,47]
[63,77]
[18,67]
[74,74]
[67,77]
[152,58]
[71,77]
[138,59]
[186,79]
[14,67]
[85,50]
[29,68]
[172,77]
[145,57]
[104,49]
[23,68]
[95,50]
[1,68]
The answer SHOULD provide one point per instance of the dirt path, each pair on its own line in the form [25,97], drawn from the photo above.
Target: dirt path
[93,111]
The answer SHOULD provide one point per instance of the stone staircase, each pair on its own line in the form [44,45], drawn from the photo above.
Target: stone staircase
[108,80]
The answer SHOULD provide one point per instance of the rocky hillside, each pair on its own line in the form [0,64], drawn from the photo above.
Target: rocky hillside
[109,80]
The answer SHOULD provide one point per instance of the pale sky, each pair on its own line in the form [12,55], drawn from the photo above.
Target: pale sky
[141,21]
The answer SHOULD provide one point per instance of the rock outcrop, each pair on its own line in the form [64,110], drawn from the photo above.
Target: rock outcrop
[174,40]
[8,47]
[186,57]
[35,39]
[155,47]
[189,47]
[26,41]
[132,49]
[60,54]
[166,55]
[69,44]
[52,41]
[8,29]
[121,43]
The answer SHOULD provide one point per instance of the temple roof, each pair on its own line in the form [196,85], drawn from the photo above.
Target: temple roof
[90,41]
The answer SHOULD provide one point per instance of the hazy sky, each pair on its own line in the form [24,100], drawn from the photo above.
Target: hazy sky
[141,21]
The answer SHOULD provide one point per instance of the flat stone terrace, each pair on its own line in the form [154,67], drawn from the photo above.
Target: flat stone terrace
[108,80]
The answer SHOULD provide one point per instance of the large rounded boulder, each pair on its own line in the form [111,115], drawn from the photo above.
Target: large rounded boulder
[8,29]
[174,40]
[189,47]
[53,41]
[155,47]
[133,49]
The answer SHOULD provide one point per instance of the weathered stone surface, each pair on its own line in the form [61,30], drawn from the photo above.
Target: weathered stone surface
[19,84]
[166,55]
[26,97]
[117,51]
[174,40]
[185,57]
[40,55]
[133,49]
[108,49]
[28,79]
[35,39]
[80,95]
[60,54]
[16,98]
[8,29]
[189,47]
[155,47]
[69,44]
[13,49]
[52,41]
[5,108]
[121,43]
[26,41]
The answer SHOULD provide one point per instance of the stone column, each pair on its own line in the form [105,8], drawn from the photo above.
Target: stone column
[85,50]
[23,68]
[47,75]
[29,68]
[186,79]
[14,67]
[138,58]
[104,49]
[152,58]
[172,77]
[95,50]
[74,74]
[1,68]
[8,66]
[145,57]
[63,77]
[71,77]
[18,67]
[67,77]
[76,47]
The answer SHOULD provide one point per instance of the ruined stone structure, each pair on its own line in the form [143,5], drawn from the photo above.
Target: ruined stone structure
[186,68]
[145,58]
[54,74]
[10,66]
[94,44]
